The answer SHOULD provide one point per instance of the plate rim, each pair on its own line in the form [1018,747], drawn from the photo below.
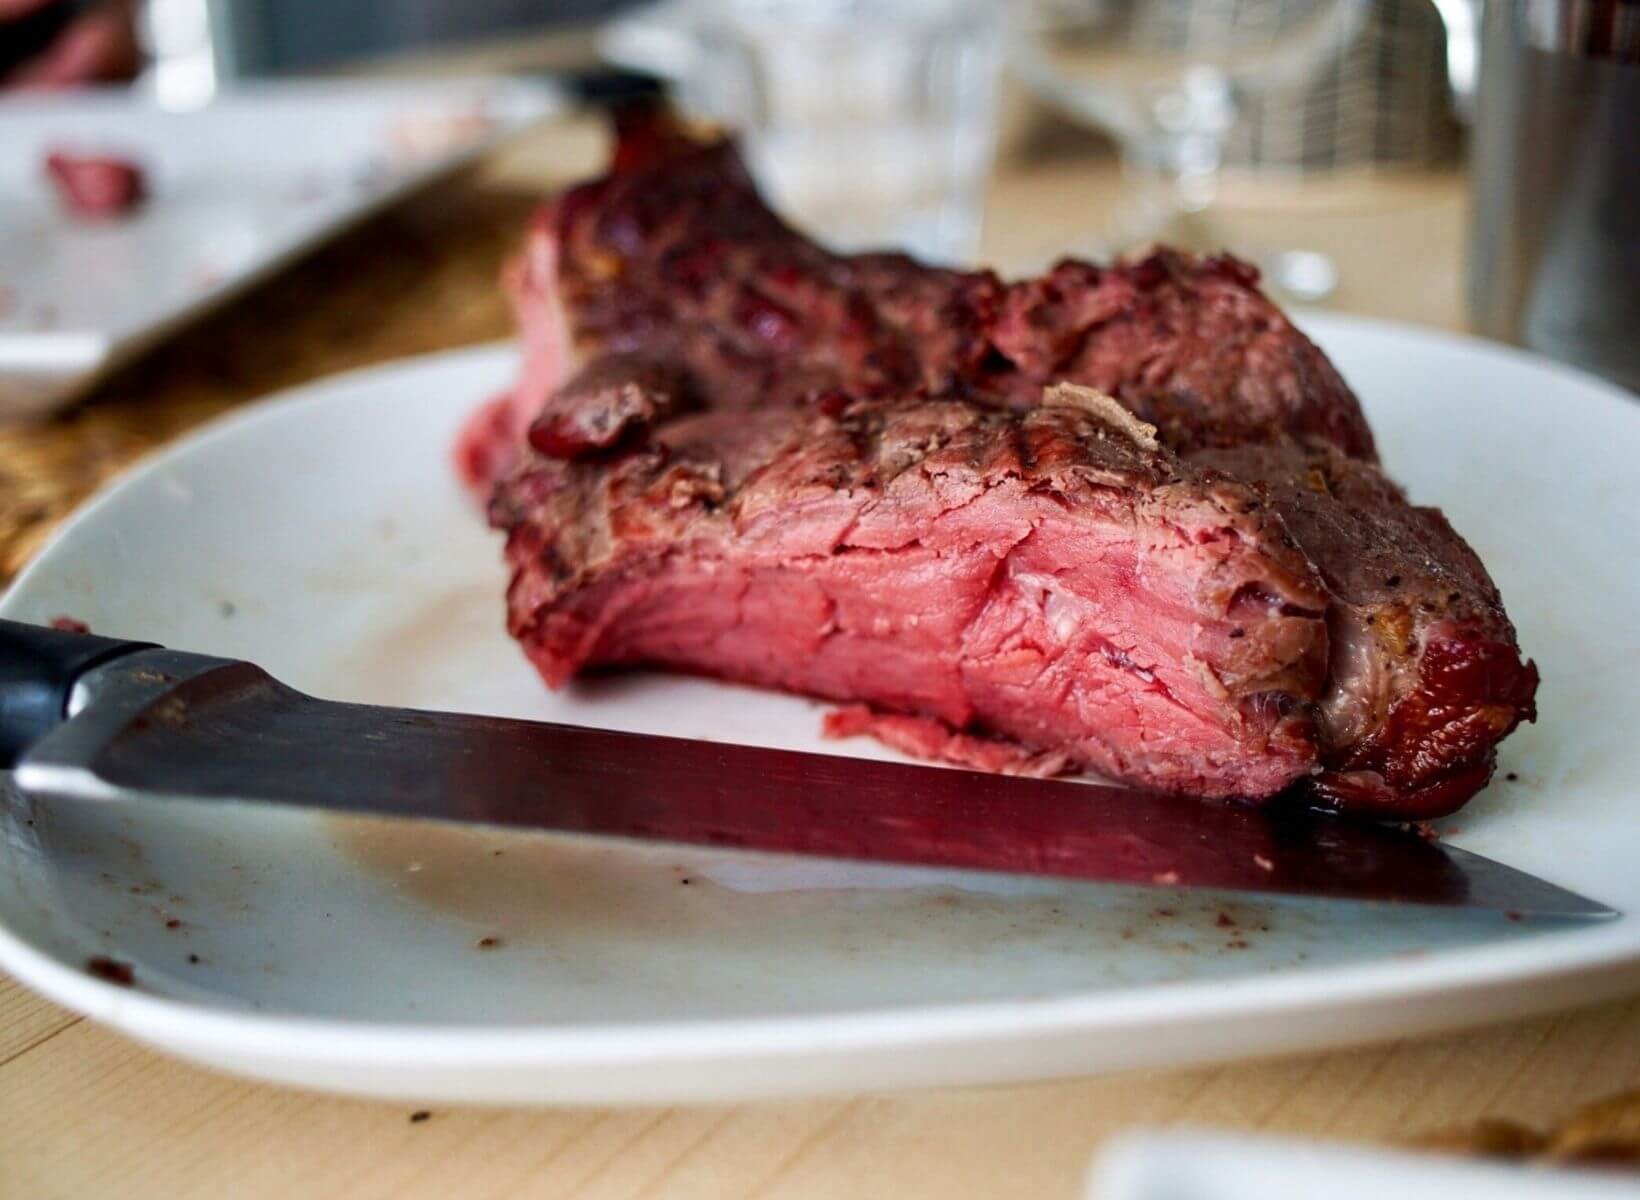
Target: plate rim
[1604,959]
[502,1045]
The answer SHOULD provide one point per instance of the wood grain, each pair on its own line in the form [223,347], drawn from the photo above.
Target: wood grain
[86,1113]
[26,1020]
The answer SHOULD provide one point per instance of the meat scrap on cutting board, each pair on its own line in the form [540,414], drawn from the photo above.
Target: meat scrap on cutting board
[1125,518]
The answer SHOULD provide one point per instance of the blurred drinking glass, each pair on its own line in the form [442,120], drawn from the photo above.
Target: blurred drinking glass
[1165,78]
[870,123]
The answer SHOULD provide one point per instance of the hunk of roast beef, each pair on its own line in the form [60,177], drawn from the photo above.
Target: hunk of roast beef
[1053,576]
[734,452]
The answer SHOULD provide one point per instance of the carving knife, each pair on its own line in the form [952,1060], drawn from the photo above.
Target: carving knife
[97,720]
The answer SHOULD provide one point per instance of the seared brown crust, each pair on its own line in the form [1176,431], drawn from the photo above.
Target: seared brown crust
[679,258]
[1190,344]
[1425,677]
[613,398]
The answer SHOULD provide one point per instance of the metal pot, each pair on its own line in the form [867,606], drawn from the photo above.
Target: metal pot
[1553,87]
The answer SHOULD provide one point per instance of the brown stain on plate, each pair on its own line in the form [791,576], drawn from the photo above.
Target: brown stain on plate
[521,888]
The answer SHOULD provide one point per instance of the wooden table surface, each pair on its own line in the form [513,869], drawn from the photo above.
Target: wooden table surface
[86,1113]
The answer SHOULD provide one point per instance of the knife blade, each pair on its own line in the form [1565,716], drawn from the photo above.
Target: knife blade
[136,722]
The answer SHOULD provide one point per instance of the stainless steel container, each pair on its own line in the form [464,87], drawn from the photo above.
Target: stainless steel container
[1555,233]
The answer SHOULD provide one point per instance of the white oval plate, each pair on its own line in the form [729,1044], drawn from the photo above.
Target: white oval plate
[322,536]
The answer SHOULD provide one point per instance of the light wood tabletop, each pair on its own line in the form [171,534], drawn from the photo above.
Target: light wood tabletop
[86,1113]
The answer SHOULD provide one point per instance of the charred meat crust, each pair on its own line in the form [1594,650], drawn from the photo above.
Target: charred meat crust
[679,257]
[1425,676]
[613,399]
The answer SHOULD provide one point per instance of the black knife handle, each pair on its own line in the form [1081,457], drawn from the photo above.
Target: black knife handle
[38,668]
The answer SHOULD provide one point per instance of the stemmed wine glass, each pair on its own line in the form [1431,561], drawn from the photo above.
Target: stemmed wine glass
[1166,78]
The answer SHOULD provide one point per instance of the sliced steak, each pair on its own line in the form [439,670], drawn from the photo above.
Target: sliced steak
[1055,577]
[711,462]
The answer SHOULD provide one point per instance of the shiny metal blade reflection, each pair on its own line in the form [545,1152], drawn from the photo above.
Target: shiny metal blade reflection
[213,731]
